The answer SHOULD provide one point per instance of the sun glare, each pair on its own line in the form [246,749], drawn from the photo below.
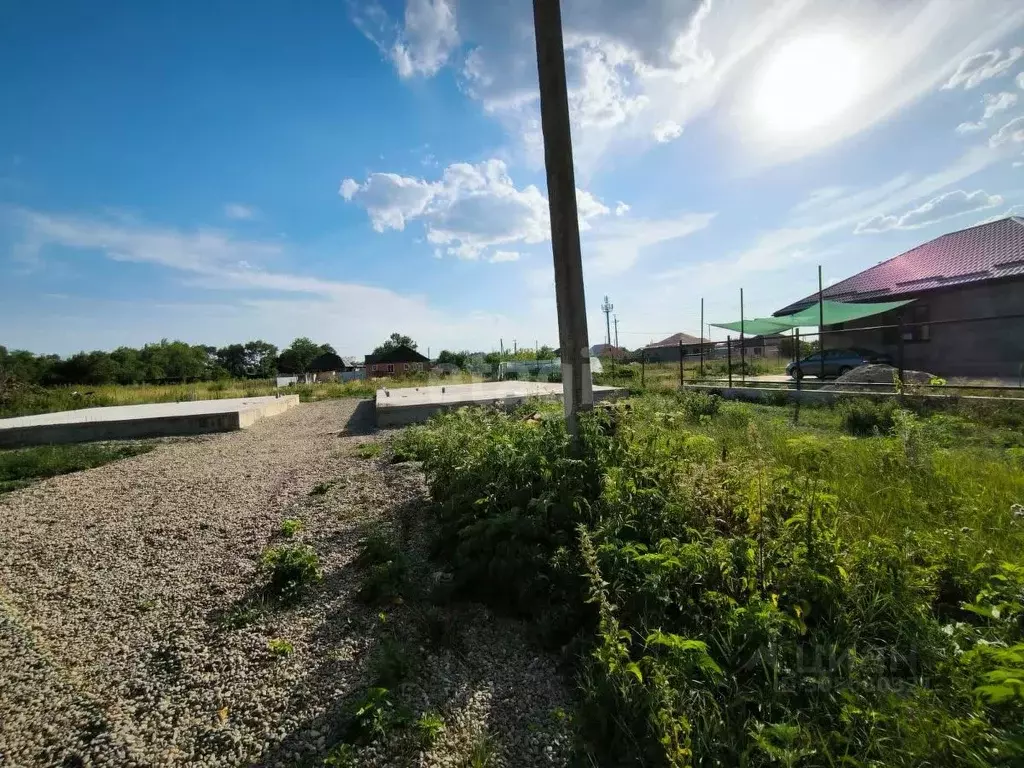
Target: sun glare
[808,82]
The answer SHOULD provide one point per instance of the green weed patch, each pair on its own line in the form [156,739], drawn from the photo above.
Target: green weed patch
[741,591]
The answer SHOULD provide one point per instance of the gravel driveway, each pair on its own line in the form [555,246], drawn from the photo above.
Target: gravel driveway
[121,590]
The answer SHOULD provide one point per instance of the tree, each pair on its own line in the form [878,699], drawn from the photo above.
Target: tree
[394,341]
[261,358]
[297,357]
[232,358]
[458,359]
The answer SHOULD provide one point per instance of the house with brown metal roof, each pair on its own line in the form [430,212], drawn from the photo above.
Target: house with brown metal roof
[967,318]
[668,350]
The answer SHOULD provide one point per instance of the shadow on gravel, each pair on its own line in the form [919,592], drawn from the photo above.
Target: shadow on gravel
[347,637]
[362,421]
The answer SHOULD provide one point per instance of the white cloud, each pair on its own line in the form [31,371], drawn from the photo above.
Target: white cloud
[1020,80]
[965,128]
[621,208]
[1013,210]
[470,209]
[637,70]
[666,131]
[1013,131]
[240,212]
[976,69]
[819,197]
[588,207]
[617,245]
[390,199]
[997,102]
[942,207]
[780,247]
[500,256]
[348,188]
[346,314]
[422,45]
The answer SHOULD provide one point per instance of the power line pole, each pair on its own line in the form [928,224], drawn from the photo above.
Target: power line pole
[577,386]
[607,308]
[616,330]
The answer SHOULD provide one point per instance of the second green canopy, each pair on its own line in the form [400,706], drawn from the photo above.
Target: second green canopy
[831,312]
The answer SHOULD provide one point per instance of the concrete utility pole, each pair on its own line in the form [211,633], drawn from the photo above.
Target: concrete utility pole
[577,387]
[616,330]
[607,308]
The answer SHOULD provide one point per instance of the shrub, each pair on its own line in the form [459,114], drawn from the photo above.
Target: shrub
[290,527]
[808,599]
[696,405]
[864,417]
[291,568]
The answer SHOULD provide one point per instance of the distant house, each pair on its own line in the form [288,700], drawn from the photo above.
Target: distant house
[396,362]
[331,367]
[608,350]
[974,274]
[668,350]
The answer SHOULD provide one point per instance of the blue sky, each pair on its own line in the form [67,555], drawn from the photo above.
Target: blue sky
[224,171]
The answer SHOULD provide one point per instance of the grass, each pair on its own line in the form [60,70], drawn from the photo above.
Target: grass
[31,400]
[20,467]
[369,450]
[739,590]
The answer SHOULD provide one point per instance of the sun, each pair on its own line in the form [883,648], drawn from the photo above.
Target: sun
[808,83]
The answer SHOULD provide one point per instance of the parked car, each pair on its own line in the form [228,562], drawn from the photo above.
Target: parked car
[837,362]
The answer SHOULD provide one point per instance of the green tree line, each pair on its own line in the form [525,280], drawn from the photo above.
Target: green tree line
[161,361]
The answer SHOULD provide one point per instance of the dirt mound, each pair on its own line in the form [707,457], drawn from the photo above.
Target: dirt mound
[874,374]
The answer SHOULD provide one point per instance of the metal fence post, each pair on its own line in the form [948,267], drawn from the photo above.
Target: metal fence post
[899,350]
[728,357]
[681,382]
[799,375]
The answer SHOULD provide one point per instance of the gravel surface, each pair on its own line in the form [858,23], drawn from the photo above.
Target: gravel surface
[128,635]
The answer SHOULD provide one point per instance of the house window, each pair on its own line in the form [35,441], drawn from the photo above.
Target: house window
[917,313]
[391,368]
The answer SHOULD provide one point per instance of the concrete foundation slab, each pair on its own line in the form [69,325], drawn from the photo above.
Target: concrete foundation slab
[129,422]
[412,405]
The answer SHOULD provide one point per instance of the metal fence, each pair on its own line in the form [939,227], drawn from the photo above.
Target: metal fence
[734,364]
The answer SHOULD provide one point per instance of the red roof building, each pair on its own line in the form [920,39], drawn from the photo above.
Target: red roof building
[974,276]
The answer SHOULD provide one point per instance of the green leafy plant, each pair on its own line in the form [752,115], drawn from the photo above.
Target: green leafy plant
[373,714]
[429,728]
[290,568]
[386,569]
[343,755]
[291,527]
[279,646]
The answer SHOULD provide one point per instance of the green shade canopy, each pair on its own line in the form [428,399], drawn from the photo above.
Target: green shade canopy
[834,312]
[839,312]
[757,326]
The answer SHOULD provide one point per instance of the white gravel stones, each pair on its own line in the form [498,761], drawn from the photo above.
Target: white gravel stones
[122,590]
